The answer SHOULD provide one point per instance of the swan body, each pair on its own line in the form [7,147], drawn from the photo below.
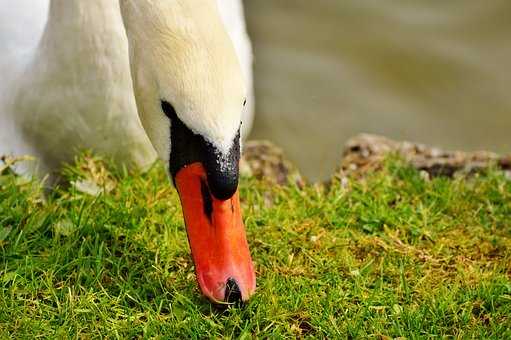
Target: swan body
[76,91]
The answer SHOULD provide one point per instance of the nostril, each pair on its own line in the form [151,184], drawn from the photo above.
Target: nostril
[207,203]
[232,291]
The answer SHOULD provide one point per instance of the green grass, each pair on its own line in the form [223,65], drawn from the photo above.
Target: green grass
[392,255]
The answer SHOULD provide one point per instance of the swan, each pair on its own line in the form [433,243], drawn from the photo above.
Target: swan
[135,79]
[69,59]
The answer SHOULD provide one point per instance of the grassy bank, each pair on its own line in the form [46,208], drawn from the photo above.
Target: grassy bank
[390,255]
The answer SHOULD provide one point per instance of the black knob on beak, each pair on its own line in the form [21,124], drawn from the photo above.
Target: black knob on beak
[222,169]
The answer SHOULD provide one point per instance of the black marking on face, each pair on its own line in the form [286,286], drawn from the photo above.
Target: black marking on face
[207,203]
[222,170]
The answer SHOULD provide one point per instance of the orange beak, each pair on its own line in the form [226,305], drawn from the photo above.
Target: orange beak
[217,238]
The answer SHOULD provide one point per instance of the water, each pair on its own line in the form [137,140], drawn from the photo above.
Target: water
[437,72]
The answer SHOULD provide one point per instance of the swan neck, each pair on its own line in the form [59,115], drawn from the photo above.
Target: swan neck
[81,13]
[84,25]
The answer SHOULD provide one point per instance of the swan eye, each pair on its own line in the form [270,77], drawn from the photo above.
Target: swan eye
[168,109]
[245,102]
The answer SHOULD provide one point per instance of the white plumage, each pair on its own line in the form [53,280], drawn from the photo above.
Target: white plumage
[66,81]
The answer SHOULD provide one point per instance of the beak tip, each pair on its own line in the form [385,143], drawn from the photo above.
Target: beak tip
[232,292]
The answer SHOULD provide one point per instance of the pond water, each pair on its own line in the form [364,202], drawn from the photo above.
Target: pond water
[437,72]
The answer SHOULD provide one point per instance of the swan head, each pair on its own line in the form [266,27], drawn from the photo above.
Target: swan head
[190,95]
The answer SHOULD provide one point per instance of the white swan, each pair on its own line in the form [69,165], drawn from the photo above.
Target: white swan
[75,91]
[69,59]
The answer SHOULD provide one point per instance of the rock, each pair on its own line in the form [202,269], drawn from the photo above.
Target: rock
[266,161]
[366,152]
[505,164]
